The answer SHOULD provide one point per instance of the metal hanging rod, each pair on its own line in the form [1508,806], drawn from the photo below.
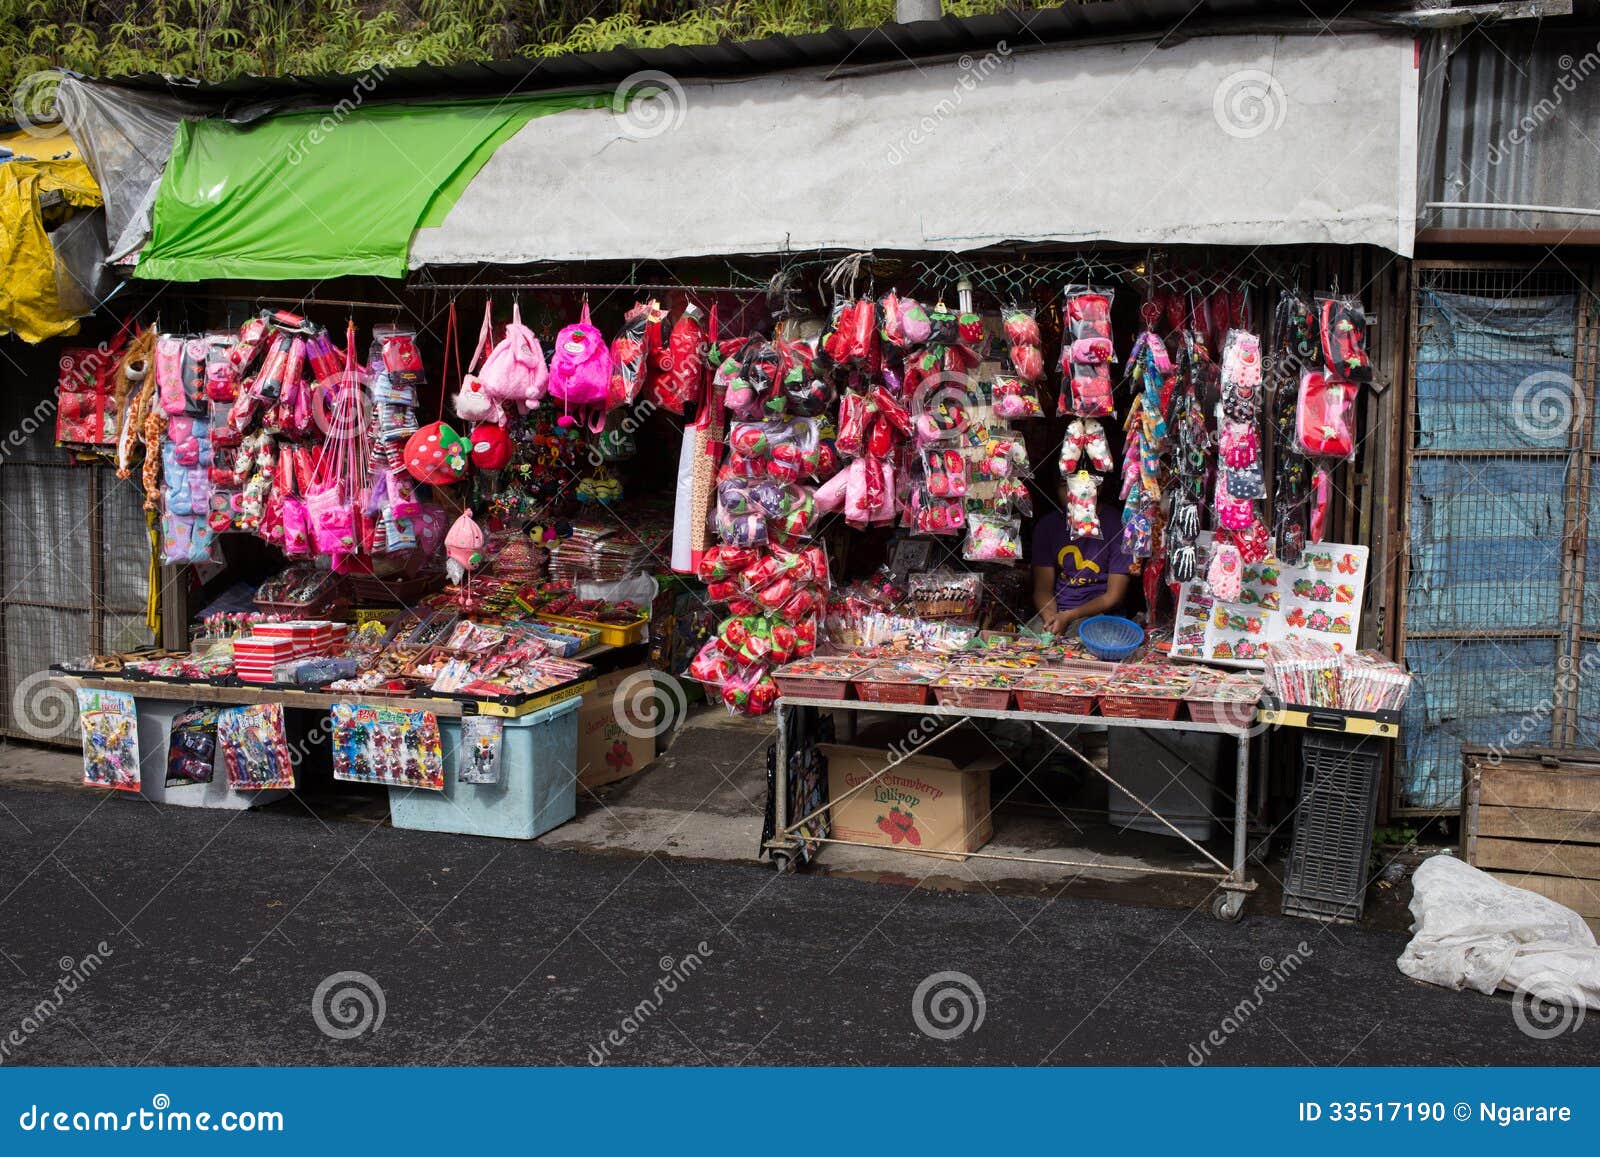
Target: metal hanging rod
[395,305]
[586,287]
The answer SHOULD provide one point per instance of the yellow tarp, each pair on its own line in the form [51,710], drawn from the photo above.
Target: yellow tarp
[29,306]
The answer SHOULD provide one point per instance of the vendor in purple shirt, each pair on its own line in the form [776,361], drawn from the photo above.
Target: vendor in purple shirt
[1076,578]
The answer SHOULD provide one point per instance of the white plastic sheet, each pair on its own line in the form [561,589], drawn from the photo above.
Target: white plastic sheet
[1472,931]
[1226,140]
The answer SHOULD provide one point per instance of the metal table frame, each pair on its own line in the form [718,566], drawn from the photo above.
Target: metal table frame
[1234,885]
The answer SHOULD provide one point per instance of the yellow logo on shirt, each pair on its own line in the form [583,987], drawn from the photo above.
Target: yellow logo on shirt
[1083,563]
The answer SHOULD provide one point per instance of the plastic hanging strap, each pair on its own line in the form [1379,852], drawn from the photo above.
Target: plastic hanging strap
[708,401]
[484,332]
[451,354]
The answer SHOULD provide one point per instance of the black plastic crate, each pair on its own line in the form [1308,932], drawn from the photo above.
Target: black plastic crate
[1327,874]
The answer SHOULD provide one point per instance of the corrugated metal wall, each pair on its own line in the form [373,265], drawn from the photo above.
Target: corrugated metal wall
[1509,116]
[73,552]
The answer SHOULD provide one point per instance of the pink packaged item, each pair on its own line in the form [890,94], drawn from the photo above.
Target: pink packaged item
[1226,575]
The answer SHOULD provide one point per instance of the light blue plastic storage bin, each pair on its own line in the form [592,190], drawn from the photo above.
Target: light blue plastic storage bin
[538,788]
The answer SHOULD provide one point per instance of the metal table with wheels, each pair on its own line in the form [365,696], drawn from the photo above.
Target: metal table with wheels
[1235,886]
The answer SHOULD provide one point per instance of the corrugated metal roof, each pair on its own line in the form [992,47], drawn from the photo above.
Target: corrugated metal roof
[858,47]
[1519,124]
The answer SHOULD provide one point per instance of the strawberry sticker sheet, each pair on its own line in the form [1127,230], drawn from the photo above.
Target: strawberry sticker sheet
[1318,598]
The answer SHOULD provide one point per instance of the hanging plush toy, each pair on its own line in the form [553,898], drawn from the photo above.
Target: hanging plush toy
[580,373]
[463,548]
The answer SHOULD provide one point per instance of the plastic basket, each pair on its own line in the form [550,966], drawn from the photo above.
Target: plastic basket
[1052,703]
[1110,637]
[1139,706]
[812,686]
[976,698]
[1327,870]
[1226,712]
[611,634]
[886,691]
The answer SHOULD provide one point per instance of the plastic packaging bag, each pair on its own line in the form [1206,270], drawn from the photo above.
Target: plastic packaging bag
[1325,417]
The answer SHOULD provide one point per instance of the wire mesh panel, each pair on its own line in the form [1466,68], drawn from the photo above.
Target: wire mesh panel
[1496,457]
[74,553]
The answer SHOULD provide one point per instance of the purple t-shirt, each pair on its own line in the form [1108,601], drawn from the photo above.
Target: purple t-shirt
[1082,564]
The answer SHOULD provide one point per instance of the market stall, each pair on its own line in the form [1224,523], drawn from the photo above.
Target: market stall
[1097,491]
[328,527]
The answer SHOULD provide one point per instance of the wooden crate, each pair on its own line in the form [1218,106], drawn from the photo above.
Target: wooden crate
[1531,818]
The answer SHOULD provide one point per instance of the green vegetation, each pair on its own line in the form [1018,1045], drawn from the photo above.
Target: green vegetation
[218,39]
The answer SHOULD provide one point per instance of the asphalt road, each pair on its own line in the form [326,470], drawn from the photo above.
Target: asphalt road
[194,937]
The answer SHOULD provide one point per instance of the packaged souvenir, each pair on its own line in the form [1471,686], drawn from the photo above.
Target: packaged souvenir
[632,352]
[192,747]
[383,745]
[678,378]
[992,539]
[1083,518]
[109,724]
[1343,326]
[1325,417]
[479,753]
[1085,437]
[1087,353]
[945,594]
[255,748]
[1024,346]
[1241,376]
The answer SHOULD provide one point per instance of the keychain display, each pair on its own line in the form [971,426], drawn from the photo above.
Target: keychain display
[109,723]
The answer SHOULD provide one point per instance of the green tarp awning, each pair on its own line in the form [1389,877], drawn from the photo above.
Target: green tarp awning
[323,193]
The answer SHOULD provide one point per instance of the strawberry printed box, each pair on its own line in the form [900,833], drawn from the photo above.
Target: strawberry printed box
[936,801]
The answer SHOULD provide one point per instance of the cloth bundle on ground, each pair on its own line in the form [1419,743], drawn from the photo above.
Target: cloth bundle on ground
[1472,931]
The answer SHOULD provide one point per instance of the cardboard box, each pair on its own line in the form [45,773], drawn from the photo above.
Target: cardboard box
[936,800]
[606,751]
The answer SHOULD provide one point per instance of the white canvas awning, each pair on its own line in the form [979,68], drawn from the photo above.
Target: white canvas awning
[1233,140]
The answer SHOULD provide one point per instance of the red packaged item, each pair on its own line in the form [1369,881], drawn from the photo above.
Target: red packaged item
[743,607]
[1325,417]
[763,695]
[710,664]
[851,439]
[721,590]
[724,561]
[805,637]
[799,605]
[86,407]
[682,367]
[784,640]
[775,595]
[761,573]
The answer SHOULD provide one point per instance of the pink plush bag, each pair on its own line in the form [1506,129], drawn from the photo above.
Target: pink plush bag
[331,497]
[515,370]
[580,373]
